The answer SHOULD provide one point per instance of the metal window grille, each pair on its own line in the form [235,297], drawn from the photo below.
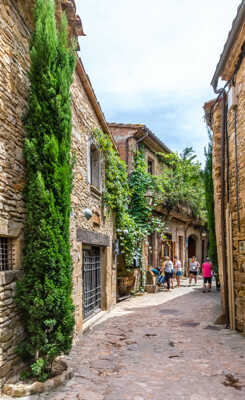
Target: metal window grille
[91,281]
[6,254]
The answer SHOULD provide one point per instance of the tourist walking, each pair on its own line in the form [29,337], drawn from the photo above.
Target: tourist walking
[207,275]
[168,270]
[193,270]
[178,270]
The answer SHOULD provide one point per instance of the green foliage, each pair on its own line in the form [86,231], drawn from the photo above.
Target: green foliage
[126,197]
[116,197]
[209,196]
[182,182]
[144,196]
[44,295]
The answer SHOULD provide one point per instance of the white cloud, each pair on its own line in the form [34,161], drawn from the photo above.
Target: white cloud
[137,52]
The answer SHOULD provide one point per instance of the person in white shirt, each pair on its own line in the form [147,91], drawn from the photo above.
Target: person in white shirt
[167,270]
[193,270]
[178,270]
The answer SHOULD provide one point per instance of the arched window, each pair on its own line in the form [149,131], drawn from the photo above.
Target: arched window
[94,166]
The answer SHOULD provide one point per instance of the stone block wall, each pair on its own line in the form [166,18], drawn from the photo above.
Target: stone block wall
[10,327]
[237,245]
[238,235]
[14,45]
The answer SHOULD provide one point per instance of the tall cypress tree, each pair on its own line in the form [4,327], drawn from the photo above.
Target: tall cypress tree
[44,295]
[209,195]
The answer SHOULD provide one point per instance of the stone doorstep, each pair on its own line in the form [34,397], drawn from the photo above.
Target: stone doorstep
[94,320]
[23,389]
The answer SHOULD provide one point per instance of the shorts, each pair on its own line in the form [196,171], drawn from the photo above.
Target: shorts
[178,273]
[171,274]
[207,280]
[193,273]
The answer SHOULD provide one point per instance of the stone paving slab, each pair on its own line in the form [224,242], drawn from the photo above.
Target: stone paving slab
[158,346]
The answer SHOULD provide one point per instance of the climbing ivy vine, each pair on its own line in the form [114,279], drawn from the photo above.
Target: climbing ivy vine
[126,197]
[116,196]
[134,198]
[144,196]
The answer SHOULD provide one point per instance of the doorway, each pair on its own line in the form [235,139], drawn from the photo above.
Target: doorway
[191,246]
[91,281]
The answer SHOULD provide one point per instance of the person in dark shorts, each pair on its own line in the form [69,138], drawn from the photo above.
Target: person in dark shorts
[194,266]
[167,268]
[207,275]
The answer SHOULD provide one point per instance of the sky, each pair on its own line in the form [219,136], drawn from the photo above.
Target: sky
[152,62]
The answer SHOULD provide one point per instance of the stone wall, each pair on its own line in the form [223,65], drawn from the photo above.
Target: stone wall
[10,328]
[84,195]
[236,247]
[238,236]
[14,44]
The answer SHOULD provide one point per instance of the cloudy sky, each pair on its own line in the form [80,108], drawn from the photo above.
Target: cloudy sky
[151,62]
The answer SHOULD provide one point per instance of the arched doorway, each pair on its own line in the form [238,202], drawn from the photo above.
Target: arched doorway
[191,246]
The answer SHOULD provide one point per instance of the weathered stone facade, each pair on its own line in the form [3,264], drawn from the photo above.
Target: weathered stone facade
[229,161]
[16,24]
[180,228]
[10,328]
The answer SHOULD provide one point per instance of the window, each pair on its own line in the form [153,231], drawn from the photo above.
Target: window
[94,166]
[150,166]
[6,259]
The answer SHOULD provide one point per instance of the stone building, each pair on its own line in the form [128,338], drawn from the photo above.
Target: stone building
[94,277]
[184,236]
[225,116]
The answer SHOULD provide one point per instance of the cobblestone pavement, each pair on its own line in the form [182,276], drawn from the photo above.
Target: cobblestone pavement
[158,346]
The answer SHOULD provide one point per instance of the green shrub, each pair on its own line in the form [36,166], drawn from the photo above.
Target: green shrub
[44,295]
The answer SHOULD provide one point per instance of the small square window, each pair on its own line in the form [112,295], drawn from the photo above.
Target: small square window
[6,254]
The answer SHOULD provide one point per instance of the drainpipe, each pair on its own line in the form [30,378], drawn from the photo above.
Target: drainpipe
[223,216]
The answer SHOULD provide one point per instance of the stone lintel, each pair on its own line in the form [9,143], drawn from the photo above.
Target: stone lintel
[92,238]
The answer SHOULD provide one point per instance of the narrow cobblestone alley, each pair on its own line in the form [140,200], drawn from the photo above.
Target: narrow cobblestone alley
[158,346]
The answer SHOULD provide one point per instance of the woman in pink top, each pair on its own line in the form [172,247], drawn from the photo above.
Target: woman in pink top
[207,275]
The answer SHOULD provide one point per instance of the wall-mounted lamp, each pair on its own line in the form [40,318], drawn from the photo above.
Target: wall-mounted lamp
[116,247]
[87,213]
